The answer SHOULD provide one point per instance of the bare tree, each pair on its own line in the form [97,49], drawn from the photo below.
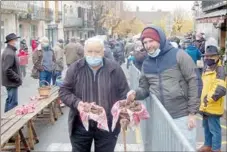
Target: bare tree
[178,18]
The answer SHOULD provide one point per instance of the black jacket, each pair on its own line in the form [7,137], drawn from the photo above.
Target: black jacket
[110,85]
[11,76]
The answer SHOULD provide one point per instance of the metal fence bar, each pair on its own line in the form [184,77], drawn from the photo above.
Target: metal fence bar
[159,132]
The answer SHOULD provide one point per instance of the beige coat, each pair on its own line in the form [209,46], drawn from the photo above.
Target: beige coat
[59,55]
[73,52]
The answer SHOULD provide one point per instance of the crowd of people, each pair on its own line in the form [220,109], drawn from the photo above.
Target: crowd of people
[187,76]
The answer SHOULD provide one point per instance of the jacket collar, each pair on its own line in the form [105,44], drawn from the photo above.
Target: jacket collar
[107,64]
[12,47]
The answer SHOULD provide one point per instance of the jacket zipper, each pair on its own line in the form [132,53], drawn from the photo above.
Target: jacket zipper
[160,83]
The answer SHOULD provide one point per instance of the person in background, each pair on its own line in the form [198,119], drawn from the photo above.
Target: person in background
[107,52]
[196,55]
[23,61]
[73,51]
[59,55]
[212,99]
[169,73]
[44,62]
[140,54]
[200,42]
[23,45]
[11,76]
[34,45]
[130,59]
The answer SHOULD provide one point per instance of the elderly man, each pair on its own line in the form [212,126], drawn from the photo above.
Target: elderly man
[11,77]
[73,51]
[169,73]
[44,62]
[93,79]
[212,98]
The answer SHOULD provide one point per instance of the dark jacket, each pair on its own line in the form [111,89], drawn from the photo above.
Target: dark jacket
[140,56]
[118,53]
[171,77]
[11,76]
[110,85]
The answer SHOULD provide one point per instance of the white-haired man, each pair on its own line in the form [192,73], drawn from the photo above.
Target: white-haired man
[97,79]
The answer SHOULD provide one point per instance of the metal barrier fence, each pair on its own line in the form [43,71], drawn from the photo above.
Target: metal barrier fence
[159,132]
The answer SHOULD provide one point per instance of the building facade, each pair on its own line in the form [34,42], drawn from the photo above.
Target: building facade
[10,11]
[77,20]
[211,18]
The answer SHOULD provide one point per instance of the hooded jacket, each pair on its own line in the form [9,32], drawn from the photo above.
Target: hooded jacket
[171,77]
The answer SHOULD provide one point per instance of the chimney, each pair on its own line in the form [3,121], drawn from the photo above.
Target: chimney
[137,9]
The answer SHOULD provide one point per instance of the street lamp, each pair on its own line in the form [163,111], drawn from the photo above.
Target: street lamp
[195,9]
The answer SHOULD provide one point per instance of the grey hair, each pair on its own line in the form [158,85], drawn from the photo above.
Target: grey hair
[94,40]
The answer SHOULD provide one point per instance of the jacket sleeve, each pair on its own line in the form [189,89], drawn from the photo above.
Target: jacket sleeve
[188,71]
[122,84]
[218,89]
[13,76]
[36,60]
[143,90]
[66,92]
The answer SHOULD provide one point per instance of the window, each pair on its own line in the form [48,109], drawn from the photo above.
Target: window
[65,9]
[33,31]
[79,9]
[71,9]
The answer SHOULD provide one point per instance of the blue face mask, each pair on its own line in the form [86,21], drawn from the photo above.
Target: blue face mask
[94,61]
[155,53]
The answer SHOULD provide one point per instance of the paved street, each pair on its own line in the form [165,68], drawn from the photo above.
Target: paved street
[55,137]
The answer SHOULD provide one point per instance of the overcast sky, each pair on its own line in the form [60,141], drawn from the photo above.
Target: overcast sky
[163,5]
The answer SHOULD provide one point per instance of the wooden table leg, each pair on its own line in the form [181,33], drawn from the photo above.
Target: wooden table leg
[51,114]
[17,142]
[34,133]
[55,110]
[59,106]
[30,135]
[24,141]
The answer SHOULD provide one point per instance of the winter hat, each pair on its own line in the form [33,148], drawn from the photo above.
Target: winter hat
[150,33]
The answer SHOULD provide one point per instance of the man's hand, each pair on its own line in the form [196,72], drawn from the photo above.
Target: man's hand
[191,121]
[83,106]
[131,95]
[205,101]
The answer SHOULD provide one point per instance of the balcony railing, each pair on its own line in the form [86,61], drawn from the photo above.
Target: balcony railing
[37,13]
[211,5]
[73,21]
[15,6]
[88,24]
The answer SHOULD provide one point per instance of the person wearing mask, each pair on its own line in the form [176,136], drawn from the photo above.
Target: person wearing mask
[73,51]
[196,55]
[140,54]
[97,79]
[44,62]
[23,45]
[169,73]
[212,99]
[11,76]
[200,42]
[59,55]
